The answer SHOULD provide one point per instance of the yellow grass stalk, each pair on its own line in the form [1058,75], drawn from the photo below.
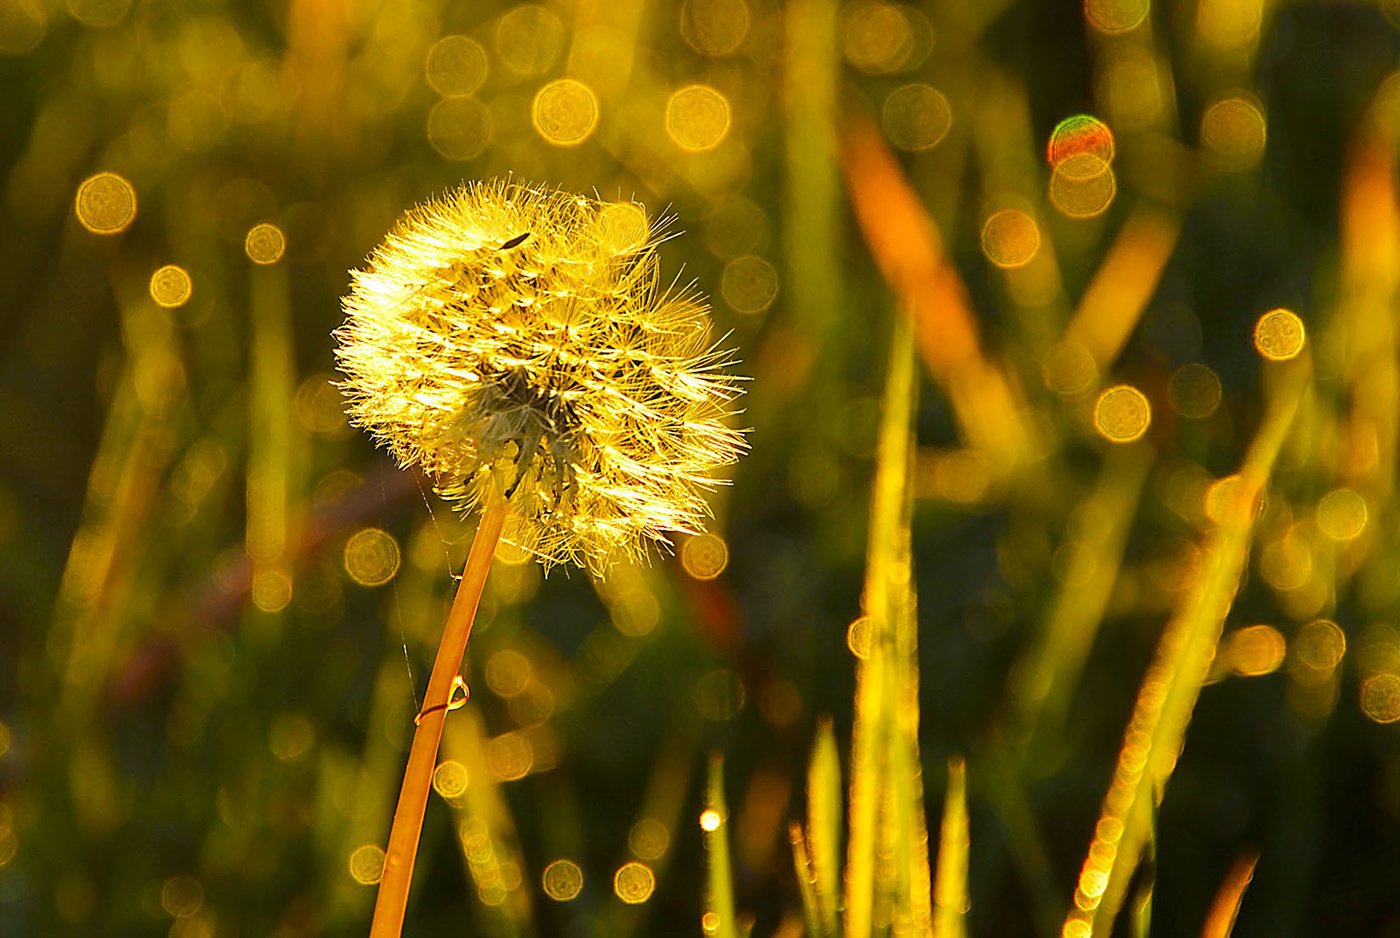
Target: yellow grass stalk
[950,897]
[824,828]
[886,678]
[392,899]
[719,896]
[1157,729]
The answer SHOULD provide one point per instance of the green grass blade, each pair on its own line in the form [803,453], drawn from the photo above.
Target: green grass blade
[719,898]
[1173,682]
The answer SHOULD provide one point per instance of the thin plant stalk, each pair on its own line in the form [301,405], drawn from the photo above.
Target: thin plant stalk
[392,900]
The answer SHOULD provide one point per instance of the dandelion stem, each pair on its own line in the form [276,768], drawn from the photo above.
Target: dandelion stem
[392,901]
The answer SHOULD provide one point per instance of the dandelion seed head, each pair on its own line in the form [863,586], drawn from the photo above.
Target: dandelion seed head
[509,342]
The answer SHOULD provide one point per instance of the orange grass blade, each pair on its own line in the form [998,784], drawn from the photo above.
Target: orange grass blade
[1220,920]
[392,900]
[1173,682]
[1123,285]
[907,247]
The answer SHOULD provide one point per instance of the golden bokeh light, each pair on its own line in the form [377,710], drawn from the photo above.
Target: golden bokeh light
[22,26]
[562,880]
[1115,16]
[1380,698]
[1378,649]
[106,203]
[459,128]
[1082,185]
[271,590]
[1234,132]
[961,476]
[1229,25]
[882,38]
[1194,391]
[265,243]
[1286,562]
[1010,238]
[529,39]
[1221,496]
[1069,369]
[1255,650]
[456,65]
[714,27]
[510,757]
[1341,514]
[1279,335]
[290,736]
[1080,134]
[171,286]
[649,839]
[181,896]
[372,557]
[749,284]
[1317,649]
[508,673]
[450,779]
[719,695]
[705,557]
[634,882]
[565,112]
[858,637]
[916,117]
[320,406]
[99,14]
[367,864]
[710,820]
[697,118]
[734,227]
[1122,414]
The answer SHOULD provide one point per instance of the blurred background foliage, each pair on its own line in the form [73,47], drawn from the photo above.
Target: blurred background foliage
[219,601]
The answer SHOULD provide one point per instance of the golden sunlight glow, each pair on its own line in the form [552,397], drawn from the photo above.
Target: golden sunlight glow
[171,286]
[456,65]
[1115,16]
[697,118]
[710,820]
[916,117]
[1122,414]
[1380,698]
[265,243]
[705,557]
[562,880]
[367,864]
[634,882]
[1010,238]
[565,112]
[450,779]
[623,227]
[649,839]
[714,27]
[106,203]
[372,557]
[1195,391]
[1233,132]
[459,128]
[1255,650]
[1279,335]
[1341,514]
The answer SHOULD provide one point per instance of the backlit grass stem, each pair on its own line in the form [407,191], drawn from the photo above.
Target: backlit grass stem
[422,755]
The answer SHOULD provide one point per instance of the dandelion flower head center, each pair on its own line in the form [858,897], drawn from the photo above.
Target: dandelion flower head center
[515,341]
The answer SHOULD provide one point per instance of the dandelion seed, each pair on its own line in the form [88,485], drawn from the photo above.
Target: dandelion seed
[505,341]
